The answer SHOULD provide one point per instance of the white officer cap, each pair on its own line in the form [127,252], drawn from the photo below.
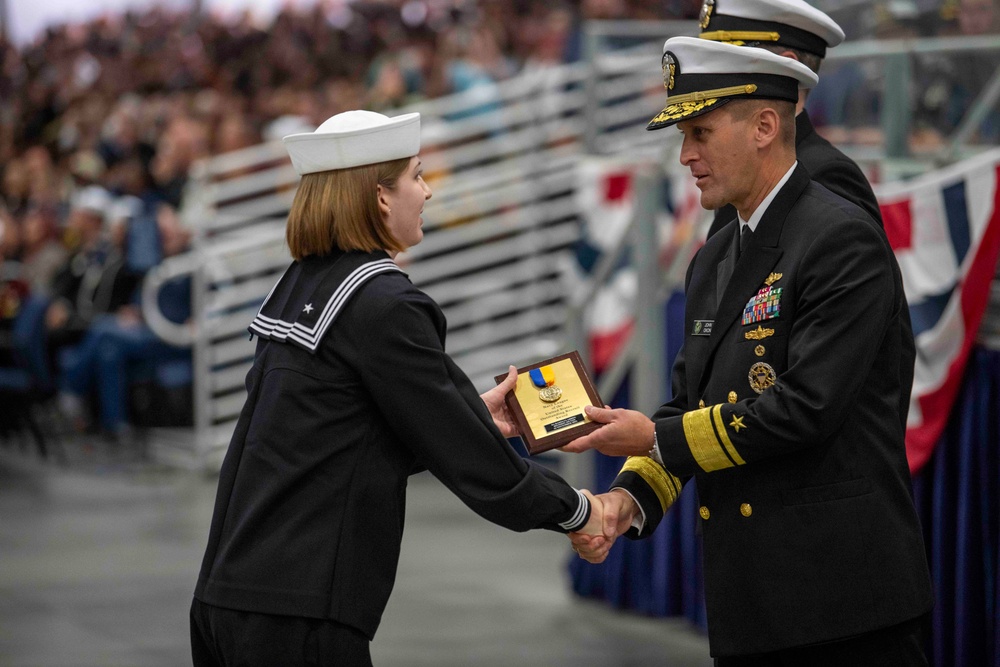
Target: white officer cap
[701,76]
[353,139]
[790,23]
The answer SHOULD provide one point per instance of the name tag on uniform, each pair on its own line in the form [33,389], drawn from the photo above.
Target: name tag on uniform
[702,328]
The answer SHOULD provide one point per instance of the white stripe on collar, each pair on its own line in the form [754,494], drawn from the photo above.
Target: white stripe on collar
[309,337]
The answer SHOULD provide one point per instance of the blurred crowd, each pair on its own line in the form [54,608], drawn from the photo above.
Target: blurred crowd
[847,105]
[100,123]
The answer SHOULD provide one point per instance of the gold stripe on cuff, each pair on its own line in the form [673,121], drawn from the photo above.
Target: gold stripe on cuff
[665,485]
[720,428]
[702,441]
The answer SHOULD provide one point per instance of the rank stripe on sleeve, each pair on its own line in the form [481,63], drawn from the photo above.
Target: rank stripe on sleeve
[709,443]
[666,486]
[720,430]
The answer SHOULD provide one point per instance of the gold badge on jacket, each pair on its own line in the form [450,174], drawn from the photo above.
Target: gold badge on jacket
[761,376]
[760,333]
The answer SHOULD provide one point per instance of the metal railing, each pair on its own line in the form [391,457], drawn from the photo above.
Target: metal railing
[498,253]
[500,233]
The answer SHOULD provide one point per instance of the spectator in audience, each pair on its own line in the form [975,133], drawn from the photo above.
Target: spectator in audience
[13,290]
[94,279]
[15,189]
[42,254]
[116,342]
[953,81]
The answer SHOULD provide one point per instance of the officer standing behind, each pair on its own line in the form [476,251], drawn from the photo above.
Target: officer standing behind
[786,392]
[350,393]
[794,29]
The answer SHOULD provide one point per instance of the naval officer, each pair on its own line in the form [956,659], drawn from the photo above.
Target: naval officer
[786,392]
[797,30]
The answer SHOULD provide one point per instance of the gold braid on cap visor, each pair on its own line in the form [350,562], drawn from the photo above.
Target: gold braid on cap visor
[679,106]
[740,36]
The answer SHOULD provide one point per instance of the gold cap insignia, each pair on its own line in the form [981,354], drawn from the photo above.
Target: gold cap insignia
[706,13]
[669,65]
[773,278]
[761,376]
[760,333]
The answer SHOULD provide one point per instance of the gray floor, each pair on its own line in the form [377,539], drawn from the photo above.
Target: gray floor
[98,560]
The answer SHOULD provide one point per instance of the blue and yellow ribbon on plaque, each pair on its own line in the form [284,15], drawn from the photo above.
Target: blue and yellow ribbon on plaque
[544,378]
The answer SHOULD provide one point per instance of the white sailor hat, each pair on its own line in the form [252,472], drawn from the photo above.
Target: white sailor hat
[701,76]
[790,23]
[353,139]
[93,199]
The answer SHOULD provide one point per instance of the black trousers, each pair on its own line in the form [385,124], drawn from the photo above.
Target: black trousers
[896,646]
[229,638]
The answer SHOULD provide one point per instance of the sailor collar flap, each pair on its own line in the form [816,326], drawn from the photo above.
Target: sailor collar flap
[307,299]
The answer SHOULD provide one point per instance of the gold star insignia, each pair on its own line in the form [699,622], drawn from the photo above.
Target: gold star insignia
[737,423]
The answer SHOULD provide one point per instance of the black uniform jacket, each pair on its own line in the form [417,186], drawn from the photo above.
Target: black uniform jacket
[809,528]
[348,395]
[826,165]
[829,167]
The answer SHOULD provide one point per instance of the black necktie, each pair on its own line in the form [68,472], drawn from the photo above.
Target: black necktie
[745,235]
[728,263]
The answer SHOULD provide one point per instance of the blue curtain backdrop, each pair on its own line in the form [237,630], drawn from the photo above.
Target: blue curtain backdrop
[957,496]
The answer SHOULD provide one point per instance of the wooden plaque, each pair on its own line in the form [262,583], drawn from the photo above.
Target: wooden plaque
[547,423]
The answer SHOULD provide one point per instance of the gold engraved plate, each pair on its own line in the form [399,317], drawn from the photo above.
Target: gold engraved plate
[550,394]
[557,407]
[761,376]
[547,414]
[760,333]
[759,350]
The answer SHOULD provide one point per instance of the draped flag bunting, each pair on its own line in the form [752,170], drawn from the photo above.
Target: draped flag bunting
[604,198]
[945,230]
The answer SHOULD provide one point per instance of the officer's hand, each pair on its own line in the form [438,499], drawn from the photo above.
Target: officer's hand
[625,433]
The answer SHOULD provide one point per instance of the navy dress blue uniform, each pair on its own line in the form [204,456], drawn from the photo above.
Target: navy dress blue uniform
[829,167]
[350,393]
[796,25]
[785,412]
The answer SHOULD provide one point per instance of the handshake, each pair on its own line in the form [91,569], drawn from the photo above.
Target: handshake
[611,514]
[625,433]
